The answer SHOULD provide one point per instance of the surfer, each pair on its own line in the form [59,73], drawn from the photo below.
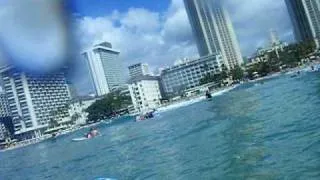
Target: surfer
[89,135]
[208,95]
[94,132]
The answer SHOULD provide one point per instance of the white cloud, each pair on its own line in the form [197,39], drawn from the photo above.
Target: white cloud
[34,32]
[176,28]
[160,38]
[253,20]
[142,35]
[141,20]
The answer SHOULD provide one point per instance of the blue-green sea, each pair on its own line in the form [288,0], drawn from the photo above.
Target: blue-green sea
[261,130]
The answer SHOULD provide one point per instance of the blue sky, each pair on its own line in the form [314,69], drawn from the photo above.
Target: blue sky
[167,35]
[158,31]
[153,31]
[96,8]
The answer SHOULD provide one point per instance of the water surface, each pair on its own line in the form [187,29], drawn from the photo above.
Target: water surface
[257,131]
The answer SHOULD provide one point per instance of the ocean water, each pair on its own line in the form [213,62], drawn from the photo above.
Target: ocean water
[268,130]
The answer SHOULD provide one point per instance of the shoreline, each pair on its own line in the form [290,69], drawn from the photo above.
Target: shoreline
[167,107]
[195,99]
[220,91]
[28,142]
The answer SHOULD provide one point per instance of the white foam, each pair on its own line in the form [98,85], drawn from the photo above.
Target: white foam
[192,101]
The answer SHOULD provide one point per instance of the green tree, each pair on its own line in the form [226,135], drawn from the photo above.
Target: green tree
[217,78]
[237,73]
[104,108]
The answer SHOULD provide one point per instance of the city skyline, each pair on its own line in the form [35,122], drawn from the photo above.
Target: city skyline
[167,36]
[159,89]
[160,33]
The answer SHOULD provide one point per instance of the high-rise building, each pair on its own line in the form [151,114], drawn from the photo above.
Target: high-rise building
[105,68]
[34,100]
[313,14]
[139,69]
[305,18]
[188,74]
[4,106]
[6,125]
[213,30]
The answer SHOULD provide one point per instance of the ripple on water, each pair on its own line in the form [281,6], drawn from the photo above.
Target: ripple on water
[253,132]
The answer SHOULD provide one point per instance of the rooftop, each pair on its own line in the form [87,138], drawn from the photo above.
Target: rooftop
[143,78]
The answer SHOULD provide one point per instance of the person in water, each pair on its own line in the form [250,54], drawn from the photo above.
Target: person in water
[89,135]
[92,133]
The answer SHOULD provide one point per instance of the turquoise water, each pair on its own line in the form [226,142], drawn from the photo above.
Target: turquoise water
[257,131]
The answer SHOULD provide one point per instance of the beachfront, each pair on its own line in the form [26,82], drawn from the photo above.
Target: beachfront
[166,107]
[203,140]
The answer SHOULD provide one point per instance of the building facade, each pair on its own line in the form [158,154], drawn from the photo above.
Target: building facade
[6,125]
[145,93]
[213,30]
[305,18]
[188,74]
[140,69]
[34,100]
[77,110]
[4,106]
[313,14]
[105,68]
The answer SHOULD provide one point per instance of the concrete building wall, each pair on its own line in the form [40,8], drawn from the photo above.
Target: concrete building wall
[188,74]
[140,69]
[105,68]
[145,95]
[35,99]
[213,30]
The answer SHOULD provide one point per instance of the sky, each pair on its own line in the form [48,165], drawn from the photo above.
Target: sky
[156,32]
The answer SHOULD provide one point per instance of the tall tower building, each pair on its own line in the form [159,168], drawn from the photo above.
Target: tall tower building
[34,100]
[105,68]
[313,14]
[305,18]
[213,30]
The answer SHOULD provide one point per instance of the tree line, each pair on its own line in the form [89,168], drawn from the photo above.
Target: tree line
[289,57]
[107,106]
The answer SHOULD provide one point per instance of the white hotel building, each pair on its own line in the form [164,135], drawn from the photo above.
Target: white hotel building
[187,74]
[105,68]
[145,93]
[32,100]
